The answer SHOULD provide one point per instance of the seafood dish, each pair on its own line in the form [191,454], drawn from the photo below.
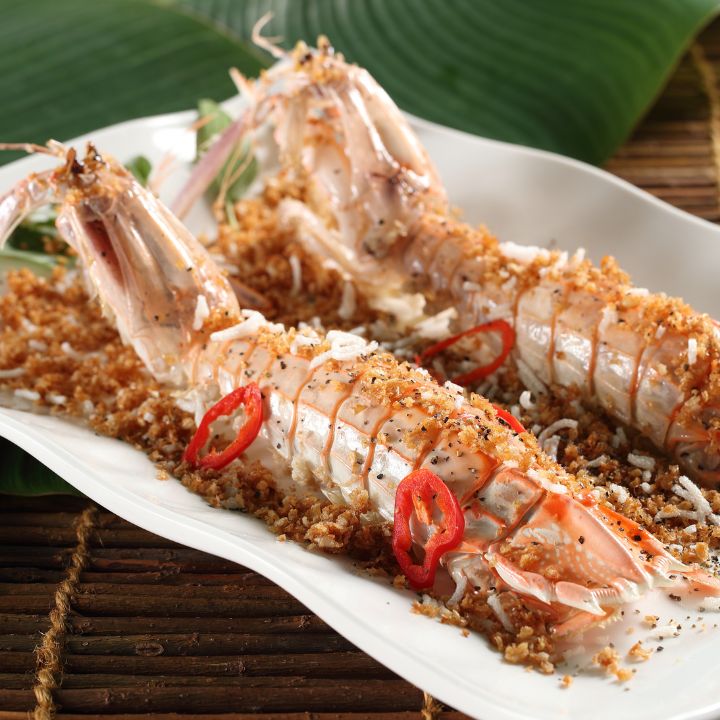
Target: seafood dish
[385,417]
[377,208]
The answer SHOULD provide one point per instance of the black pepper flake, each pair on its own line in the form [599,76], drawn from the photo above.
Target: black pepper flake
[380,476]
[581,539]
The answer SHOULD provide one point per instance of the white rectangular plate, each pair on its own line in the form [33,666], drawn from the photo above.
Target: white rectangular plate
[525,196]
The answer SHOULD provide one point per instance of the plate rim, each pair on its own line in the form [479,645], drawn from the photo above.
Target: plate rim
[361,635]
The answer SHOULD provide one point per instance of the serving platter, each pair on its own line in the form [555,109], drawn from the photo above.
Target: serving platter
[526,196]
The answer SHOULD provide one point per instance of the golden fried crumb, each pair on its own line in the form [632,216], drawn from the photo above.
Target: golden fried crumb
[74,360]
[638,653]
[566,681]
[609,659]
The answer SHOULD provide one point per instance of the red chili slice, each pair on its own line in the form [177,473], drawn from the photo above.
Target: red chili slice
[511,420]
[508,340]
[418,491]
[249,396]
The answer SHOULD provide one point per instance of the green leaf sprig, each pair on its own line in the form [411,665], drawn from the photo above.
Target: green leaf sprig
[241,169]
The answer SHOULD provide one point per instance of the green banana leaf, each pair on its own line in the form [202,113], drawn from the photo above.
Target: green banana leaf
[573,76]
[22,474]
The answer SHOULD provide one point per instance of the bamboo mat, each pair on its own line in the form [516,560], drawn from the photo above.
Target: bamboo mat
[98,617]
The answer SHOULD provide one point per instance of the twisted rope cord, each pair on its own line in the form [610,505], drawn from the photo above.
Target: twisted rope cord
[709,80]
[431,707]
[49,654]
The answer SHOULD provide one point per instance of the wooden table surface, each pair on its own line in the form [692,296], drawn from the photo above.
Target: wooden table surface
[98,617]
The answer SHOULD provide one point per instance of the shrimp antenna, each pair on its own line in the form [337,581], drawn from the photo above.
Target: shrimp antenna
[53,147]
[243,85]
[267,43]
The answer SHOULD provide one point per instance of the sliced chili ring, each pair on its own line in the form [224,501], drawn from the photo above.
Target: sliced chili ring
[249,396]
[418,491]
[510,419]
[508,341]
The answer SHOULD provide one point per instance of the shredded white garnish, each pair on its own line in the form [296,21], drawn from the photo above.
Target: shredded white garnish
[689,491]
[348,303]
[619,438]
[526,401]
[598,461]
[619,491]
[660,331]
[11,373]
[440,609]
[37,345]
[562,424]
[702,512]
[639,292]
[436,327]
[690,529]
[148,417]
[27,394]
[343,346]
[307,338]
[551,445]
[641,461]
[55,399]
[522,253]
[248,327]
[609,317]
[70,351]
[664,631]
[692,351]
[457,391]
[296,269]
[202,312]
[646,487]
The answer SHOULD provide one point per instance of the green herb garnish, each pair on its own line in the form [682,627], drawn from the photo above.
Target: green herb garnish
[141,168]
[238,173]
